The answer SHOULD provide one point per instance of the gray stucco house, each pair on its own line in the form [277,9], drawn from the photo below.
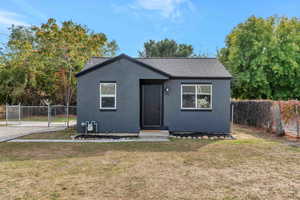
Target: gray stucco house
[126,95]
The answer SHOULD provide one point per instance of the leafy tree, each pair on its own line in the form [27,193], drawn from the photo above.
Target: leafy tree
[17,75]
[166,48]
[264,57]
[40,62]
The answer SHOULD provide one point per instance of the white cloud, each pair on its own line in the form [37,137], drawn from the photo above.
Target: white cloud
[8,18]
[167,8]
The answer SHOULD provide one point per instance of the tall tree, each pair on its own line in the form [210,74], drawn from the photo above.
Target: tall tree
[264,57]
[166,48]
[41,61]
[17,75]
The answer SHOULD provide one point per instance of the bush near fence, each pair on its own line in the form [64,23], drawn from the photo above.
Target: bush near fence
[276,116]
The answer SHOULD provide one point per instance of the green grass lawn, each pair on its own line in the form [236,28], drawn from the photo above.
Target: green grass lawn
[45,118]
[255,166]
[65,134]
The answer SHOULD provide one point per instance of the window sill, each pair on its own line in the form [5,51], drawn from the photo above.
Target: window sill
[196,110]
[107,109]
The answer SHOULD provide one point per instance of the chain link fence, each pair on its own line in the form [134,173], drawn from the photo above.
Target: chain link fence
[13,114]
[51,115]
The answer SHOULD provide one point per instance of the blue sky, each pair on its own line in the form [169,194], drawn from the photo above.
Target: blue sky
[202,23]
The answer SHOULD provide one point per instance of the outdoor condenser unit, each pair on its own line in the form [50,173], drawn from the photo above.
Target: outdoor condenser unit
[90,126]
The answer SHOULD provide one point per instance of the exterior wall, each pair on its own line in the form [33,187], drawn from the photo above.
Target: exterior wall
[215,121]
[127,75]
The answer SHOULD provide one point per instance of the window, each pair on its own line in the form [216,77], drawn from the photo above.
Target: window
[108,93]
[196,96]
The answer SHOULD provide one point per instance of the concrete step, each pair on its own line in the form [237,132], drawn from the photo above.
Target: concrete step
[154,133]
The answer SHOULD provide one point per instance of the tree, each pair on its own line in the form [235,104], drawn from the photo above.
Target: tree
[40,61]
[263,57]
[166,48]
[68,48]
[17,74]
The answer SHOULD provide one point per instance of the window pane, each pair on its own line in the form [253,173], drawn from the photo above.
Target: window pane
[108,88]
[204,89]
[188,89]
[108,102]
[188,101]
[203,101]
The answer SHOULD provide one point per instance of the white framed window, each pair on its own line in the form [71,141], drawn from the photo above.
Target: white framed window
[108,95]
[196,96]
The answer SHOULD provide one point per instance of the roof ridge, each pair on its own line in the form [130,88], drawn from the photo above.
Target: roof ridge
[108,57]
[175,58]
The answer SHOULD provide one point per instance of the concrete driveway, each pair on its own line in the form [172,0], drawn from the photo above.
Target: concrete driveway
[12,132]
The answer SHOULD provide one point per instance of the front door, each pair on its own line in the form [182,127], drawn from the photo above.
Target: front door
[151,115]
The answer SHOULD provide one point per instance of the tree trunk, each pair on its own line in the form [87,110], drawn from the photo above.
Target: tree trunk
[278,123]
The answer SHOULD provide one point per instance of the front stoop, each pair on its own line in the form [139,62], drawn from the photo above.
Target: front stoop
[154,133]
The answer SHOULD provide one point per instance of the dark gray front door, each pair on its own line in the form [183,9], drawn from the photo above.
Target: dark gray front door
[151,106]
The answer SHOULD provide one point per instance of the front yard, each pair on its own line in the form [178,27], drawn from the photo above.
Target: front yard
[255,166]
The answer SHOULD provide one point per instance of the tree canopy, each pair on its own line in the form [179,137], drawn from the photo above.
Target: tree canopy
[39,62]
[263,55]
[166,48]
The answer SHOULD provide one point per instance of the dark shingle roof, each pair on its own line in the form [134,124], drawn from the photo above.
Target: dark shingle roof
[173,67]
[189,67]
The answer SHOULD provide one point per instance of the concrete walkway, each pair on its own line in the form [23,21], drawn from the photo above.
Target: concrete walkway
[93,141]
[12,132]
[36,123]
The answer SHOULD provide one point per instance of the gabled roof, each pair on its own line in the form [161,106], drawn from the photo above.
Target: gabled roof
[171,67]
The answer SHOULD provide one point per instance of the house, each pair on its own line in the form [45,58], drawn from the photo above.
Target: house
[126,95]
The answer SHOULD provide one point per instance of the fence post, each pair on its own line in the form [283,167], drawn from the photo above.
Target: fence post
[297,118]
[6,114]
[49,114]
[277,115]
[68,119]
[19,113]
[232,110]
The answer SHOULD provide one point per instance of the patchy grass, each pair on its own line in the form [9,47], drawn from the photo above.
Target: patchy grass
[255,166]
[58,118]
[64,134]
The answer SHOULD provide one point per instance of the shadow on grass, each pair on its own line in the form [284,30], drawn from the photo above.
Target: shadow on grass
[45,151]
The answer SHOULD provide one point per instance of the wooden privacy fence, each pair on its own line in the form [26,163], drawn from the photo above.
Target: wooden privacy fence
[276,116]
[2,112]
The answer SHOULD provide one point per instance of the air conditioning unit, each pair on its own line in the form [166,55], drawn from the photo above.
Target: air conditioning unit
[90,126]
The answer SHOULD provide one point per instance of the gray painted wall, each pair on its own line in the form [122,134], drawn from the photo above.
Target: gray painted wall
[126,118]
[127,76]
[216,120]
